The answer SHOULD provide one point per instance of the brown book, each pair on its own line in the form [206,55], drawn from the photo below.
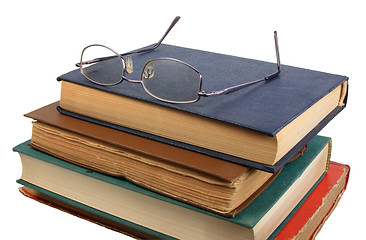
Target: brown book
[207,182]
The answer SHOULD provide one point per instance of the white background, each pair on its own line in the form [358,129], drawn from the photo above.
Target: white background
[41,40]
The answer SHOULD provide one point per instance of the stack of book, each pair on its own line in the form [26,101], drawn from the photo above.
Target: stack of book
[248,165]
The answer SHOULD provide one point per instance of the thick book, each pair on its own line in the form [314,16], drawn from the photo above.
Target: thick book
[261,126]
[178,173]
[122,199]
[304,222]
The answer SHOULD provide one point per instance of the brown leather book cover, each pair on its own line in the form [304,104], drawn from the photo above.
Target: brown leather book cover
[218,168]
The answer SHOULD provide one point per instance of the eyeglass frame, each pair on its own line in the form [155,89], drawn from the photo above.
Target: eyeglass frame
[200,93]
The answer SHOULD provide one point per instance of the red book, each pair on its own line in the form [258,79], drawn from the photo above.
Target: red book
[310,217]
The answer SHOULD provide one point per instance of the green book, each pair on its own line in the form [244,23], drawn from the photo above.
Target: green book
[162,216]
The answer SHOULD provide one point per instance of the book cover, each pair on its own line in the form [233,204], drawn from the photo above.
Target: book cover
[307,219]
[249,218]
[266,108]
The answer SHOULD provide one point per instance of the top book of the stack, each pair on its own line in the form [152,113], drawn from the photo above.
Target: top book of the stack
[261,126]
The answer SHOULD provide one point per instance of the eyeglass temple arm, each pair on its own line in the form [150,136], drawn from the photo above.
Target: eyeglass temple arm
[156,45]
[240,86]
[145,49]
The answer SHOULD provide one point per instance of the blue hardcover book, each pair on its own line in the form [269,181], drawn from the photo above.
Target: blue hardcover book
[261,126]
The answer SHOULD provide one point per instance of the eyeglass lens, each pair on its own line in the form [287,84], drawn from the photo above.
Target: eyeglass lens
[165,79]
[171,80]
[107,72]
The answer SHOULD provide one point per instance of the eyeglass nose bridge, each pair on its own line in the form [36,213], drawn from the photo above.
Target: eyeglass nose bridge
[128,68]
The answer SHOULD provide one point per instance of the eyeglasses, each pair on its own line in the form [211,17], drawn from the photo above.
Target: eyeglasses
[166,79]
